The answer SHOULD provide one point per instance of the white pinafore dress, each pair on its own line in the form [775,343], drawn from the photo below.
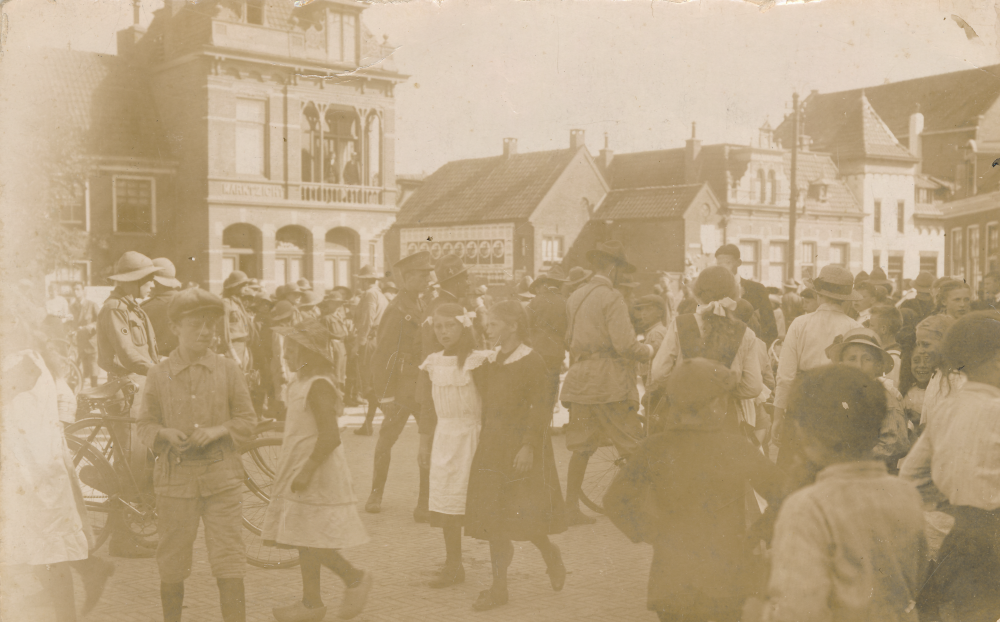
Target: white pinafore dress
[459,410]
[325,515]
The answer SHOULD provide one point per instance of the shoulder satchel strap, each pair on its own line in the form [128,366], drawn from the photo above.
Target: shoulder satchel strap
[689,336]
[572,319]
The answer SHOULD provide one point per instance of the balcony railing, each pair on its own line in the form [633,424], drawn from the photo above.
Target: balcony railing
[337,193]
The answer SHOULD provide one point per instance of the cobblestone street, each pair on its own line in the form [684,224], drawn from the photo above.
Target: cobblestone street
[606,580]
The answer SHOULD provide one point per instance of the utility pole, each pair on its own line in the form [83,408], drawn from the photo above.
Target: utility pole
[793,199]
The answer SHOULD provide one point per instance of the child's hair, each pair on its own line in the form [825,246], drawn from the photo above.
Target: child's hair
[891,316]
[466,343]
[839,406]
[512,312]
[972,341]
[948,287]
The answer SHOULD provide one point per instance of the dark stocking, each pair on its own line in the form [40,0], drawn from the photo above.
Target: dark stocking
[372,408]
[309,564]
[172,597]
[453,545]
[546,547]
[60,585]
[574,479]
[501,554]
[340,566]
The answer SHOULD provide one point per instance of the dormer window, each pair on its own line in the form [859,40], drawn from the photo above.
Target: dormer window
[818,190]
[253,12]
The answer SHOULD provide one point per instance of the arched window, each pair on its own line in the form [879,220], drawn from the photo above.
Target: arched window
[772,181]
[312,147]
[373,149]
[340,148]
[763,185]
[291,254]
[339,260]
[241,248]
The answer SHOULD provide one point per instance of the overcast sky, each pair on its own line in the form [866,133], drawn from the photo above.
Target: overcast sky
[639,71]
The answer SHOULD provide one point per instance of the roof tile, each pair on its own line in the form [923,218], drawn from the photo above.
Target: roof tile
[668,202]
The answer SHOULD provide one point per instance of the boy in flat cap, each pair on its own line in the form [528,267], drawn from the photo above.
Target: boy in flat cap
[195,412]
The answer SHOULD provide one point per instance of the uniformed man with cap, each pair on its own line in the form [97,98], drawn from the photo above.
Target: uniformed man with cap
[126,347]
[601,383]
[237,324]
[165,286]
[370,310]
[196,410]
[395,367]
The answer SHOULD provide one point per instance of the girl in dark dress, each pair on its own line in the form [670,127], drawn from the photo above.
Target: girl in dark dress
[514,491]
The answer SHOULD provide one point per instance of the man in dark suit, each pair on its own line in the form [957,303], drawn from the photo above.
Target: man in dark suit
[728,256]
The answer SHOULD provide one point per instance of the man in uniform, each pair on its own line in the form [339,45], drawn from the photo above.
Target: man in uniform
[165,286]
[238,330]
[370,309]
[601,383]
[395,365]
[728,256]
[333,319]
[195,411]
[126,347]
[453,286]
[85,313]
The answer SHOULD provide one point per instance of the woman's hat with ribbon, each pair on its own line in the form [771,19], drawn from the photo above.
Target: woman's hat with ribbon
[311,335]
[836,282]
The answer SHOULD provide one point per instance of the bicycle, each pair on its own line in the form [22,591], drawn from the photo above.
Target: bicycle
[602,468]
[260,461]
[71,362]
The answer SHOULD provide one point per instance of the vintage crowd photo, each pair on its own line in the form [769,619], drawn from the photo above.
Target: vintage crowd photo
[500,310]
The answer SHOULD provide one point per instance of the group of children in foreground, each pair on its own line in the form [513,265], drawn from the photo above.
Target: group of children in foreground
[847,546]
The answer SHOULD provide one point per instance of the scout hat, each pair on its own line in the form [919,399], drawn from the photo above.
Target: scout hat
[554,277]
[651,300]
[308,301]
[448,267]
[613,250]
[195,300]
[730,250]
[235,279]
[835,282]
[282,310]
[168,273]
[524,288]
[417,262]
[862,336]
[304,285]
[311,335]
[284,290]
[878,278]
[578,275]
[860,278]
[133,266]
[923,283]
[367,272]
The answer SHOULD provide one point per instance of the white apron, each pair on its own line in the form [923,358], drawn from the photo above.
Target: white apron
[43,514]
[459,410]
[325,515]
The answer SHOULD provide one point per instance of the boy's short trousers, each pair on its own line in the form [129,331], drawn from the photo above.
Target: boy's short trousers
[592,426]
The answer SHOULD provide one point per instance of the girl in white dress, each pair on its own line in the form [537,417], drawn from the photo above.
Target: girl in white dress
[313,507]
[451,402]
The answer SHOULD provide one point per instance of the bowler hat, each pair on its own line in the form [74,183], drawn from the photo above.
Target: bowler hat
[195,300]
[650,300]
[417,262]
[578,275]
[729,250]
[835,282]
[554,277]
[311,335]
[168,273]
[367,272]
[923,283]
[133,266]
[235,279]
[282,310]
[448,267]
[613,250]
[865,337]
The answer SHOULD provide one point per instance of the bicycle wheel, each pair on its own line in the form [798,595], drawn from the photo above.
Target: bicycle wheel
[94,432]
[604,464]
[74,377]
[99,485]
[260,463]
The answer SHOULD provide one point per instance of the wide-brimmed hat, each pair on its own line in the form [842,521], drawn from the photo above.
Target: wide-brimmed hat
[304,285]
[133,266]
[285,290]
[878,277]
[554,277]
[923,283]
[650,300]
[334,295]
[309,300]
[613,250]
[860,336]
[367,272]
[282,310]
[417,262]
[447,268]
[730,250]
[578,275]
[311,335]
[195,300]
[835,282]
[860,278]
[235,279]
[167,276]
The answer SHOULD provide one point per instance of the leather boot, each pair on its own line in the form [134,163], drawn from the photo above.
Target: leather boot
[232,597]
[172,598]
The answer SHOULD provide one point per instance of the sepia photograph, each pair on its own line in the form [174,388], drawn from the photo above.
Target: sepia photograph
[533,310]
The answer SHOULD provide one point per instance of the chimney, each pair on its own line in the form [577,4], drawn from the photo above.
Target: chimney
[691,150]
[128,40]
[916,129]
[576,139]
[509,147]
[605,157]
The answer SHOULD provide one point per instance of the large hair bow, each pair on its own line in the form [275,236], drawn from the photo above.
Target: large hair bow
[717,307]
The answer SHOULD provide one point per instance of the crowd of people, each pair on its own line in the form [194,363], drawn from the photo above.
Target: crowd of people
[826,450]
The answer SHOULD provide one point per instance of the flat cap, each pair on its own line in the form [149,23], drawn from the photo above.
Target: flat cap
[195,300]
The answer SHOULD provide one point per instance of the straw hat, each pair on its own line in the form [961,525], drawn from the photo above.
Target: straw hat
[835,282]
[862,336]
[311,335]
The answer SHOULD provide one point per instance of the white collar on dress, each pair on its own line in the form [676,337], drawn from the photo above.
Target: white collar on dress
[519,353]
